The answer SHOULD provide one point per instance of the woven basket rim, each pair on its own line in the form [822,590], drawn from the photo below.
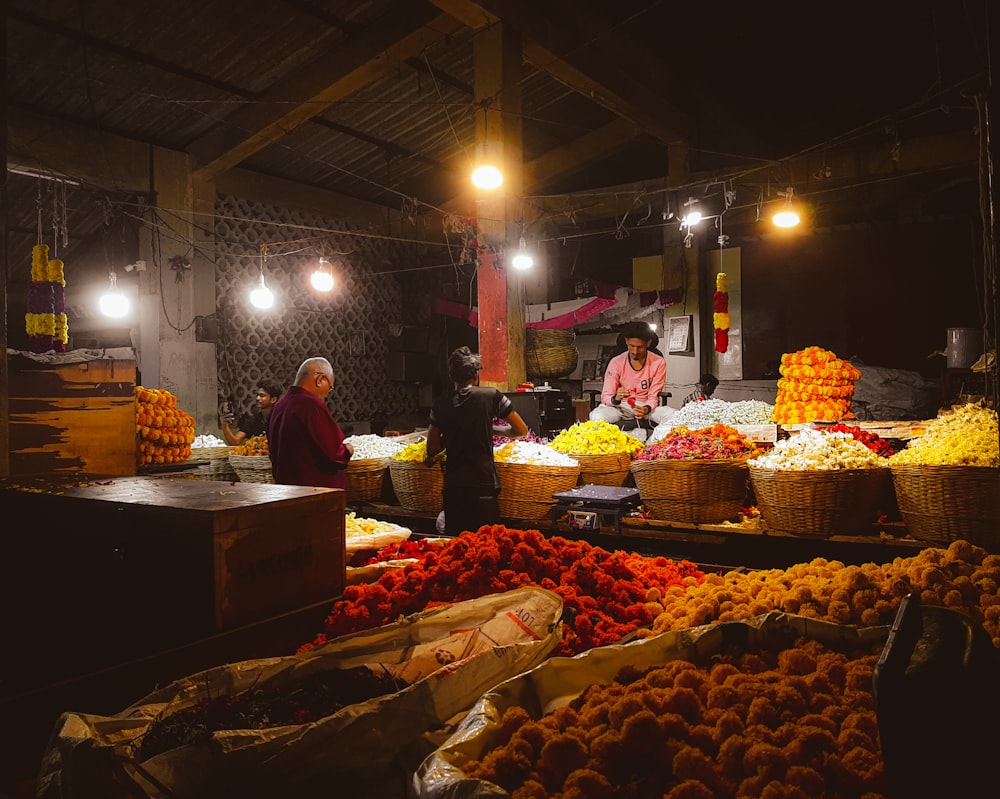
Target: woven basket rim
[689,462]
[367,464]
[212,452]
[248,461]
[914,468]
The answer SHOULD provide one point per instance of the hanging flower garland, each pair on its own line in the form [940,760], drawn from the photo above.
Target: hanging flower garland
[45,320]
[721,316]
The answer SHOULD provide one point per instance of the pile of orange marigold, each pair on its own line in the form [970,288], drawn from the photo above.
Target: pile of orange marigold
[165,431]
[816,386]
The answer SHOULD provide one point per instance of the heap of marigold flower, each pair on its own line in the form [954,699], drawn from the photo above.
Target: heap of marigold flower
[165,431]
[791,723]
[255,445]
[595,438]
[816,386]
[708,443]
[606,595]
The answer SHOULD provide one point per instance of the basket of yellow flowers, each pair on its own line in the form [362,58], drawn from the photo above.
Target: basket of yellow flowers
[603,451]
[947,480]
[418,487]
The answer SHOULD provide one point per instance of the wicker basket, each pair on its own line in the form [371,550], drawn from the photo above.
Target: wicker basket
[818,503]
[364,478]
[692,491]
[252,468]
[606,470]
[526,489]
[418,487]
[218,466]
[942,504]
[549,353]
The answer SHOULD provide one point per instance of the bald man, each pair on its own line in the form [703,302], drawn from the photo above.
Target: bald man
[306,444]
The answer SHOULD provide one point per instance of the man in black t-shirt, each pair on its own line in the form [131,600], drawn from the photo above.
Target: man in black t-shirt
[461,422]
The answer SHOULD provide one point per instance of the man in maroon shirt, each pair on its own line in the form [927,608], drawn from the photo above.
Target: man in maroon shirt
[306,444]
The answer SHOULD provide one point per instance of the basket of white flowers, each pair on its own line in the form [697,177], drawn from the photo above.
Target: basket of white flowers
[530,474]
[818,484]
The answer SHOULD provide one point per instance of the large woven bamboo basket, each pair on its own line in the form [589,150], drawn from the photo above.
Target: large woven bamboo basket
[364,478]
[609,469]
[549,353]
[252,468]
[218,466]
[818,503]
[526,489]
[692,491]
[418,487]
[941,504]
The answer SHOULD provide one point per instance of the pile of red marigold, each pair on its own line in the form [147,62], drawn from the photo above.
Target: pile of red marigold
[606,595]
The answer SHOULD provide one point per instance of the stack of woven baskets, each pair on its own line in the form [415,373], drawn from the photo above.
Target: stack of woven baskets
[252,468]
[218,466]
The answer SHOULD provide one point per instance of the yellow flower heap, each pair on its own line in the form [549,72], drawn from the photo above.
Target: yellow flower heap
[816,386]
[165,431]
[595,438]
[416,452]
[966,437]
[45,320]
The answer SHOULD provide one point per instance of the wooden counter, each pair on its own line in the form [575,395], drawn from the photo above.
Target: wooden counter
[110,569]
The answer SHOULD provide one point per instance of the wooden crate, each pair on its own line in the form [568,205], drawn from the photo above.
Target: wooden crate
[121,568]
[72,416]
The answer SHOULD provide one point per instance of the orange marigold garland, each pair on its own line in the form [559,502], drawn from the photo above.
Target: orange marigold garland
[721,315]
[816,386]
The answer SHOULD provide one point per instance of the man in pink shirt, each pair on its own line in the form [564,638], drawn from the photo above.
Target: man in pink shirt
[633,382]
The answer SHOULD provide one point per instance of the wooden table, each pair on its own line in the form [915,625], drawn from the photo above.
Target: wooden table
[106,569]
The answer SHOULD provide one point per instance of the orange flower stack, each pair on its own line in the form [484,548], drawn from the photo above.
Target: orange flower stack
[165,431]
[816,386]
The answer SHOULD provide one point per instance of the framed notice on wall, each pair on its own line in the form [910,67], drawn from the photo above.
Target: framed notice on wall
[679,338]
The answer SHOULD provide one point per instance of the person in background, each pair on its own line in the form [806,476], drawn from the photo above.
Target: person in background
[306,444]
[255,423]
[704,389]
[633,381]
[461,422]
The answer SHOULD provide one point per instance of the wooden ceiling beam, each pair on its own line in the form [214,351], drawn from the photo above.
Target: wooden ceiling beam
[357,63]
[559,44]
[571,158]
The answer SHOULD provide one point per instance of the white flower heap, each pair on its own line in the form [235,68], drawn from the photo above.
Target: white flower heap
[966,437]
[369,446]
[705,413]
[814,449]
[530,452]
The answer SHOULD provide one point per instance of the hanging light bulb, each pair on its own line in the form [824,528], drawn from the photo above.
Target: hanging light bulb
[787,216]
[262,297]
[693,215]
[322,278]
[113,303]
[487,176]
[522,258]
